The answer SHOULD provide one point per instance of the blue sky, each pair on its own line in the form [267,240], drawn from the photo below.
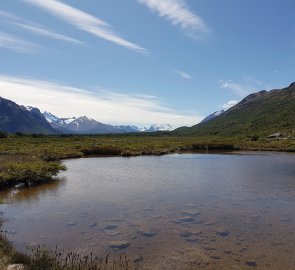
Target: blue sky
[143,61]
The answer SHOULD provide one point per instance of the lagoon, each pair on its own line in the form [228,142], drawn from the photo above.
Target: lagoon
[181,211]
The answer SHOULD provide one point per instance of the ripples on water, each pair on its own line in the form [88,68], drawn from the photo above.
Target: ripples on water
[190,211]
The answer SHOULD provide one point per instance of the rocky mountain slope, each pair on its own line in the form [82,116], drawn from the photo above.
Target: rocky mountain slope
[16,118]
[259,114]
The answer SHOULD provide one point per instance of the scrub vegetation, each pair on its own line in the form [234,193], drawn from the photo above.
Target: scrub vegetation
[35,158]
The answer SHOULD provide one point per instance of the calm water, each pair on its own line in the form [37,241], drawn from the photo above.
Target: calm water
[190,211]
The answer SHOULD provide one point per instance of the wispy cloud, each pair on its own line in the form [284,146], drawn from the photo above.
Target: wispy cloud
[229,104]
[103,105]
[178,13]
[237,88]
[85,22]
[47,33]
[35,28]
[17,44]
[246,86]
[183,74]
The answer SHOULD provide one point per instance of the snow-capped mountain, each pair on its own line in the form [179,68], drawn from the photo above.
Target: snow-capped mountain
[158,127]
[49,117]
[128,128]
[212,116]
[86,125]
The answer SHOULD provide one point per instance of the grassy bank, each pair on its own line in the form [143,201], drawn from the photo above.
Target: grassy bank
[37,158]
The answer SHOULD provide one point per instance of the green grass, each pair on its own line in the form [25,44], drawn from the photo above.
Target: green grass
[31,158]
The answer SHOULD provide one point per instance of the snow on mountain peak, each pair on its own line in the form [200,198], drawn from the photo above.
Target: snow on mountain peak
[50,117]
[158,127]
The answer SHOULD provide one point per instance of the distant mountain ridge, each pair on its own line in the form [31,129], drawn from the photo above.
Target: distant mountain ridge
[258,114]
[16,118]
[27,119]
[212,116]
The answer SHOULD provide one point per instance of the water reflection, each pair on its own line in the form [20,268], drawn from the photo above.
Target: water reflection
[22,194]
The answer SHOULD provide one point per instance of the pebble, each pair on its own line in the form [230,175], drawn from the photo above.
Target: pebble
[119,244]
[111,232]
[138,259]
[222,232]
[71,223]
[147,232]
[110,227]
[251,263]
[210,222]
[190,205]
[191,212]
[184,219]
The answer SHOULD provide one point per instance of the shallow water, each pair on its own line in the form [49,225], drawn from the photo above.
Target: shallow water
[189,211]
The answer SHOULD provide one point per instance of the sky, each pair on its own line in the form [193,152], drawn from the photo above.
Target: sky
[143,62]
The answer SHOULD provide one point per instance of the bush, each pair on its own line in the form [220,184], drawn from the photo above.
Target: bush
[3,135]
[254,138]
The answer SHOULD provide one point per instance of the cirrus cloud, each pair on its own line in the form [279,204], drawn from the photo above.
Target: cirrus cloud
[178,13]
[85,22]
[100,104]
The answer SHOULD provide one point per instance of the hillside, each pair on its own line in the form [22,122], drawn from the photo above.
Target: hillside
[259,114]
[15,118]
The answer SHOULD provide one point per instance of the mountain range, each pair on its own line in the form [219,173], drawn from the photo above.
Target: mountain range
[18,118]
[258,114]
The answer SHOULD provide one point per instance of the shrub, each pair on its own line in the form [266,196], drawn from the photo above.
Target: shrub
[3,135]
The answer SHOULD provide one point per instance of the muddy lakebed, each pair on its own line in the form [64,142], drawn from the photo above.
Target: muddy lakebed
[180,211]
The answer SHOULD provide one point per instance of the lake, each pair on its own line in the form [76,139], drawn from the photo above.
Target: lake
[180,211]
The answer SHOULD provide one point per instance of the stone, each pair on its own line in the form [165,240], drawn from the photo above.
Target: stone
[71,223]
[93,225]
[275,135]
[119,244]
[15,267]
[138,259]
[210,222]
[147,232]
[191,234]
[184,219]
[191,212]
[110,227]
[222,232]
[111,232]
[190,205]
[251,263]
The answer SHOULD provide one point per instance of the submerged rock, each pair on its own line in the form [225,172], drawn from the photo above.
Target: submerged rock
[111,232]
[210,222]
[119,244]
[147,232]
[191,234]
[191,212]
[110,227]
[184,219]
[138,259]
[222,232]
[71,223]
[251,263]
